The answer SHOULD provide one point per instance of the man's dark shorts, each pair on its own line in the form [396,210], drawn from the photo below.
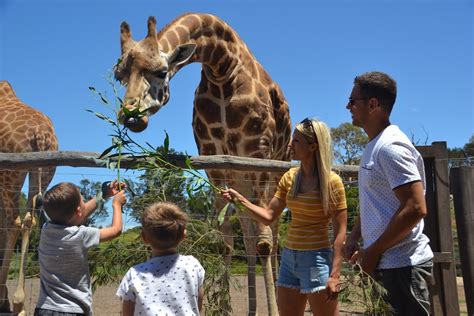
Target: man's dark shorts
[407,288]
[47,312]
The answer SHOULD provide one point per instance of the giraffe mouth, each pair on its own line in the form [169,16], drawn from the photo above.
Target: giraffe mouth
[136,124]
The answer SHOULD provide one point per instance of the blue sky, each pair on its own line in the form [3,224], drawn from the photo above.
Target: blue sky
[52,51]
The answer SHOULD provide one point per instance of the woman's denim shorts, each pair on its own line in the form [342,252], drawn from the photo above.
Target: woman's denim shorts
[306,270]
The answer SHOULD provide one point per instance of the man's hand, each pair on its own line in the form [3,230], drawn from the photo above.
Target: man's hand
[351,249]
[368,260]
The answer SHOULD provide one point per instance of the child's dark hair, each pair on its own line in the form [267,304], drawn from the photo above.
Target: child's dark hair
[61,201]
[163,224]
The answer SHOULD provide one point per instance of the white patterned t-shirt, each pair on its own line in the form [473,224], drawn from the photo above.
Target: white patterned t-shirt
[164,285]
[389,161]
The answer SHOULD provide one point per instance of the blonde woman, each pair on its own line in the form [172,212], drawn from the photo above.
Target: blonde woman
[310,267]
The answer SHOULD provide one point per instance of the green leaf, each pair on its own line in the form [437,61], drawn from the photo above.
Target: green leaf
[151,146]
[188,163]
[221,217]
[104,100]
[126,111]
[108,150]
[92,89]
[129,187]
[101,116]
[117,141]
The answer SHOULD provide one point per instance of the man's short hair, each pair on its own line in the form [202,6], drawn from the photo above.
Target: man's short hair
[61,201]
[378,85]
[163,224]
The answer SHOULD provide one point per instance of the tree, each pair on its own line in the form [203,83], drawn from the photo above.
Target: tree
[163,184]
[469,147]
[89,190]
[462,156]
[349,142]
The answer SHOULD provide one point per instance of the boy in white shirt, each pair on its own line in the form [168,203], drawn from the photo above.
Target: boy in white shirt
[169,283]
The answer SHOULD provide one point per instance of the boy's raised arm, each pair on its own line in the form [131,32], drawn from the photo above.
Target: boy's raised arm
[115,229]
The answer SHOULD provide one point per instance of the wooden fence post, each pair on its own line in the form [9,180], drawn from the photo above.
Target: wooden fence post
[462,187]
[444,297]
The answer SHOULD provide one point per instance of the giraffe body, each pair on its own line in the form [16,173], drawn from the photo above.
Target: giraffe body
[22,129]
[238,110]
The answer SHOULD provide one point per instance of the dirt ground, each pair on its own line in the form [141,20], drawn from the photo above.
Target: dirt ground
[105,303]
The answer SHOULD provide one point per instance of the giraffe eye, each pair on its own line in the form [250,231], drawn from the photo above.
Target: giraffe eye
[161,74]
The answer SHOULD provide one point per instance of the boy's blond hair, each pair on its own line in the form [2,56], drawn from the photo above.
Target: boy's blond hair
[61,201]
[163,224]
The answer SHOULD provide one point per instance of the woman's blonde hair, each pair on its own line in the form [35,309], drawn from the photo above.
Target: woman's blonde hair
[315,131]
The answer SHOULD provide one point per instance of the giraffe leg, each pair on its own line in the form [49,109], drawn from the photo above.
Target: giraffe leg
[19,296]
[38,181]
[226,229]
[249,235]
[265,241]
[10,225]
[6,255]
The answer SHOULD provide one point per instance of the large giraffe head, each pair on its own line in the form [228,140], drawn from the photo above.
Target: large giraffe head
[146,71]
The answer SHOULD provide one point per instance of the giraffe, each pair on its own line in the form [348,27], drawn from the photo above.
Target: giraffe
[238,110]
[22,129]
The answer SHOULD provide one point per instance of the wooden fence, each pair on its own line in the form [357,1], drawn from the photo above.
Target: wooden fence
[444,296]
[462,188]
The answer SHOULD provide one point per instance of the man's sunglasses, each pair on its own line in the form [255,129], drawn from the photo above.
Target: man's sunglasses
[351,101]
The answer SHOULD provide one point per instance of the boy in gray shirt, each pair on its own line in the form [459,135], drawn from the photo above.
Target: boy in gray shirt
[64,242]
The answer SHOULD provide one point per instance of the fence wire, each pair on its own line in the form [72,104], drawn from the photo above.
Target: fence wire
[105,302]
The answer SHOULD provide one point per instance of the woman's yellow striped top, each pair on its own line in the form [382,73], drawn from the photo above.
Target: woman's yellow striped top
[309,225]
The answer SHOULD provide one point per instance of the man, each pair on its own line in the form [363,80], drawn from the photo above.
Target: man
[392,202]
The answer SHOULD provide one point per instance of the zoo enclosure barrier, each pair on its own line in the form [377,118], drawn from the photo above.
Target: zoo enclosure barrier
[438,226]
[462,188]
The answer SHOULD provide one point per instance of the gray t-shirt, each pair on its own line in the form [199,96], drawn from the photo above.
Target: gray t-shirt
[64,269]
[164,285]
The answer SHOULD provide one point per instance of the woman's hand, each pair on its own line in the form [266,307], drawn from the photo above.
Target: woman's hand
[332,288]
[231,195]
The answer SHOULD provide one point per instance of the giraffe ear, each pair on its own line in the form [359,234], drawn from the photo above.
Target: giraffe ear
[125,37]
[182,54]
[151,27]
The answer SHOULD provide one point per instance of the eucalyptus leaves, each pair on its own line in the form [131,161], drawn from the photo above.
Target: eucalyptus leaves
[149,157]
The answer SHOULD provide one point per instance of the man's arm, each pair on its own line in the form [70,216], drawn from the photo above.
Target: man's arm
[411,211]
[352,243]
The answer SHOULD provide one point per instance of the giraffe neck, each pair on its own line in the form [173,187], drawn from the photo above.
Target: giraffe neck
[219,48]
